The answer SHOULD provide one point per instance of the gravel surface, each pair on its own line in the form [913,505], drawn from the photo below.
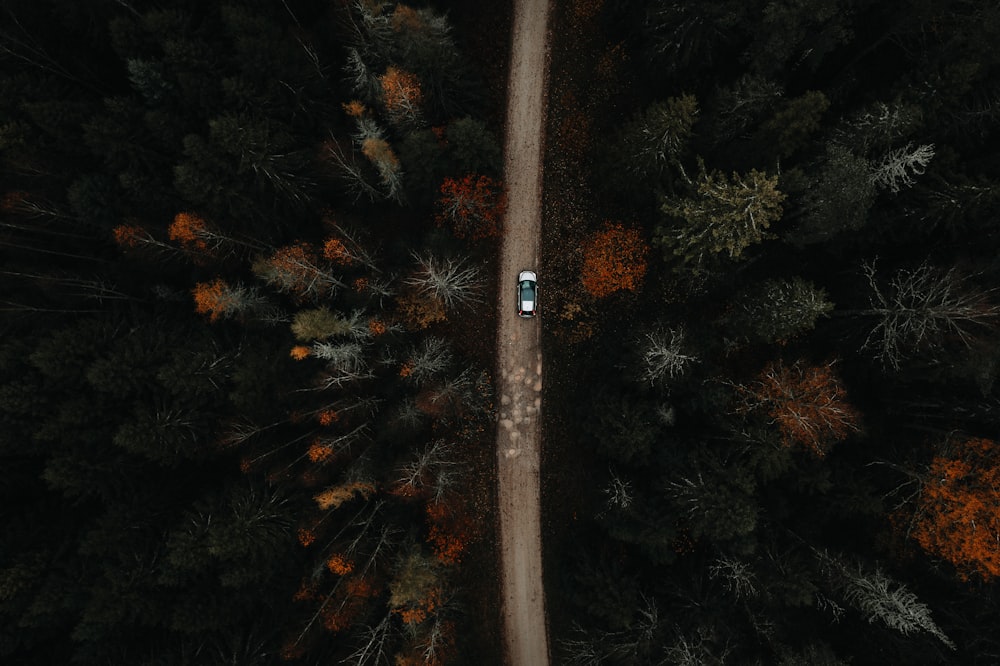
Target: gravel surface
[519,345]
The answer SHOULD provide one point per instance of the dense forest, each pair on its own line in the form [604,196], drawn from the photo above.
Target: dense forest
[247,306]
[772,356]
[246,257]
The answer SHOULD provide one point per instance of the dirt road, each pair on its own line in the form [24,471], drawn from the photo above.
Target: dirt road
[519,347]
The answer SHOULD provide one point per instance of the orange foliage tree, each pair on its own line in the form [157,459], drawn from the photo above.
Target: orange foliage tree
[297,269]
[190,231]
[336,251]
[614,259]
[808,404]
[343,608]
[339,565]
[472,206]
[221,300]
[958,516]
[132,236]
[449,531]
[401,94]
[380,153]
[418,310]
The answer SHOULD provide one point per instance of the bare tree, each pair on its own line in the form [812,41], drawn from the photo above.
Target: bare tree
[619,492]
[408,415]
[347,356]
[451,281]
[736,576]
[879,125]
[346,363]
[372,30]
[428,467]
[365,128]
[195,235]
[879,597]
[430,359]
[342,442]
[351,174]
[95,288]
[694,651]
[632,643]
[366,405]
[583,649]
[239,431]
[375,644]
[626,646]
[900,165]
[439,634]
[362,81]
[456,391]
[663,355]
[380,288]
[355,249]
[920,307]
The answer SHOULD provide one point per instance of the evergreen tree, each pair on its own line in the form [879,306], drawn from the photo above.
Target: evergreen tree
[833,199]
[777,310]
[721,216]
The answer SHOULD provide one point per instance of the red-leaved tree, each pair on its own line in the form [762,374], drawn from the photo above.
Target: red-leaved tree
[472,206]
[401,94]
[220,300]
[613,259]
[297,269]
[958,517]
[449,531]
[807,403]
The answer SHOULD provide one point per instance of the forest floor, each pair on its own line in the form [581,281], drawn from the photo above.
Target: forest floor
[519,345]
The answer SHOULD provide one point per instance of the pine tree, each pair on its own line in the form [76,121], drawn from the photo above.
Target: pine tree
[723,216]
[790,129]
[836,197]
[777,310]
[472,147]
[417,587]
[654,140]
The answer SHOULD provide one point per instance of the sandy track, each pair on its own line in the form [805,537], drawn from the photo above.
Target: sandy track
[519,353]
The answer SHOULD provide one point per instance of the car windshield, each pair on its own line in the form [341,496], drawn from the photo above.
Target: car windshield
[527,291]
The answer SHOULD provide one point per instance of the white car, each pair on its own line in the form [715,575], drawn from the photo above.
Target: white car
[527,294]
